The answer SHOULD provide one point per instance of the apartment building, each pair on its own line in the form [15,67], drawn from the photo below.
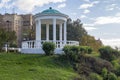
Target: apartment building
[21,24]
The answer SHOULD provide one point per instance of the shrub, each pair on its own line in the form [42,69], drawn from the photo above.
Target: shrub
[75,49]
[94,76]
[74,52]
[89,50]
[104,73]
[85,49]
[48,48]
[112,76]
[71,52]
[66,49]
[82,49]
[88,64]
[117,71]
[108,53]
[118,78]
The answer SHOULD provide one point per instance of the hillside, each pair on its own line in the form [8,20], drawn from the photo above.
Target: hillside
[34,67]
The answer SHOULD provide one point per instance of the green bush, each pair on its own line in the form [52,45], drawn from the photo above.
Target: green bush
[94,76]
[48,48]
[112,76]
[75,49]
[82,50]
[66,49]
[108,53]
[116,64]
[74,52]
[89,50]
[118,78]
[71,52]
[85,50]
[117,71]
[88,64]
[104,73]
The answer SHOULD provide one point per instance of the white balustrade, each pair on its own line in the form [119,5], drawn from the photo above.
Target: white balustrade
[38,44]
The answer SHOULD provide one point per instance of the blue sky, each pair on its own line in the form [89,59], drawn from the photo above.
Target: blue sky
[101,18]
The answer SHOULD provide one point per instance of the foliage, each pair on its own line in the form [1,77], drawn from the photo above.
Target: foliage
[88,40]
[112,76]
[86,49]
[81,35]
[75,27]
[49,48]
[74,52]
[104,73]
[6,37]
[94,76]
[117,71]
[88,64]
[71,52]
[108,53]
[66,49]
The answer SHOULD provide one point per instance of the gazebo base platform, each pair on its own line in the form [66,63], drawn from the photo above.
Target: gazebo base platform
[40,51]
[35,47]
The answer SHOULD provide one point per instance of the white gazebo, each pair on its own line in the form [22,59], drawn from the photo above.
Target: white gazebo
[49,17]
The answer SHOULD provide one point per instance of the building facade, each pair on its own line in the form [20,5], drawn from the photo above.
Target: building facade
[18,23]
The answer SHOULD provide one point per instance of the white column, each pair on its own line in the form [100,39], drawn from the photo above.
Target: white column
[47,32]
[54,29]
[65,33]
[38,33]
[60,34]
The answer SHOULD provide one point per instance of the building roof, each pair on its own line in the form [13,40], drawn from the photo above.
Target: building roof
[51,12]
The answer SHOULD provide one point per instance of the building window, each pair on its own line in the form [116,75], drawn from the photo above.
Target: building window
[26,23]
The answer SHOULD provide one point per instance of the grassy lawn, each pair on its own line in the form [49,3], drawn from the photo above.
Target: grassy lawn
[34,67]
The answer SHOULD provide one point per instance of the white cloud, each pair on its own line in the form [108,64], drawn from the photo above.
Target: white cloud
[95,2]
[88,25]
[118,14]
[83,16]
[62,5]
[4,3]
[111,7]
[89,5]
[86,0]
[86,11]
[107,20]
[111,42]
[90,28]
[29,5]
[85,6]
[74,13]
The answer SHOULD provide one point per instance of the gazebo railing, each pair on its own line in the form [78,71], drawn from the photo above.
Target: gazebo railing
[38,44]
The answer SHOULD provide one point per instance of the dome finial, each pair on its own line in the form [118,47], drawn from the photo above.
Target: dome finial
[50,7]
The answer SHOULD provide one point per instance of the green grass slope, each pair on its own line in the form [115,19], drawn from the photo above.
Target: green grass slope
[34,67]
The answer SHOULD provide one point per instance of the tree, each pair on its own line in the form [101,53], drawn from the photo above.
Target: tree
[6,37]
[75,31]
[88,40]
[3,37]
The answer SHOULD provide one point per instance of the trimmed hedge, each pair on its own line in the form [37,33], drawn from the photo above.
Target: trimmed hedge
[48,48]
[74,52]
